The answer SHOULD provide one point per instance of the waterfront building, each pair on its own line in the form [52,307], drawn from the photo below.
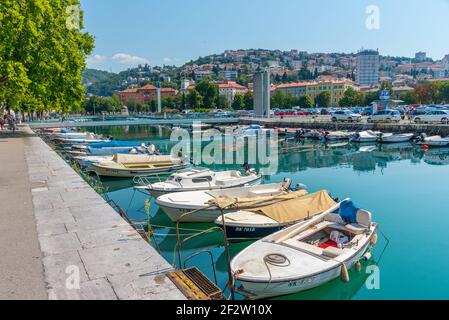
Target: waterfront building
[230,89]
[262,94]
[368,67]
[336,88]
[144,94]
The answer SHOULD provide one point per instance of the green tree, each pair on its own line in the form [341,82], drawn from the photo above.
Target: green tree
[371,96]
[444,92]
[352,98]
[323,99]
[408,97]
[248,99]
[42,55]
[305,101]
[194,99]
[222,102]
[209,92]
[239,102]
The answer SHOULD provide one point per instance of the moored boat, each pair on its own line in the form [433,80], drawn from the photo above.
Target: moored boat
[195,179]
[395,138]
[259,223]
[365,136]
[307,254]
[123,166]
[204,206]
[432,141]
[338,135]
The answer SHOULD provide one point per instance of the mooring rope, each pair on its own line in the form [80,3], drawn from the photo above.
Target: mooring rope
[277,260]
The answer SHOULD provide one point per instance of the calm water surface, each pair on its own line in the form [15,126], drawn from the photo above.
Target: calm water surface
[405,188]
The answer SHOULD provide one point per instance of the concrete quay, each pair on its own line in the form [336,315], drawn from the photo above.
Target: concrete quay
[72,244]
[308,123]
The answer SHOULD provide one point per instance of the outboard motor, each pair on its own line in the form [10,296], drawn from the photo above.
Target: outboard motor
[421,137]
[287,184]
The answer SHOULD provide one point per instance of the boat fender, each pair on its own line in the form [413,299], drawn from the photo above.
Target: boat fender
[344,273]
[366,256]
[358,266]
[373,240]
[300,186]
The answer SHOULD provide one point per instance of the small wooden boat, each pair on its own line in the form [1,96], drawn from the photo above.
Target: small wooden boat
[124,166]
[206,204]
[195,179]
[307,254]
[395,138]
[259,223]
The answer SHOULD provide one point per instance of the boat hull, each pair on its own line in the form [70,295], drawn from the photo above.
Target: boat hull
[205,215]
[244,233]
[129,173]
[260,290]
[156,193]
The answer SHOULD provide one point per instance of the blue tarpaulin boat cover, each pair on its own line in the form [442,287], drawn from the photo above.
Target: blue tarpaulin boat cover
[115,143]
[348,211]
[109,151]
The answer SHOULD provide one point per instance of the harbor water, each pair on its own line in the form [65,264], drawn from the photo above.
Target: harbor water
[405,188]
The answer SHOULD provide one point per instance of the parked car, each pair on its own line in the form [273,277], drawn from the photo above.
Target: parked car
[346,116]
[386,115]
[324,111]
[418,112]
[302,112]
[438,116]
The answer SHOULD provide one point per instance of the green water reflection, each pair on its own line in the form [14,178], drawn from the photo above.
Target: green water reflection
[405,188]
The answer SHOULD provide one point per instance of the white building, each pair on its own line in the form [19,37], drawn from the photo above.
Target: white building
[368,68]
[230,89]
[445,62]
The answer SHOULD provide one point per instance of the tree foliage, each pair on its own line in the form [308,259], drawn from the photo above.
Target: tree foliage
[323,99]
[42,54]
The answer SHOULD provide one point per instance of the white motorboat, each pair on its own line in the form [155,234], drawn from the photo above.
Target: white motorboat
[256,224]
[365,136]
[395,138]
[338,135]
[432,141]
[195,179]
[87,162]
[131,165]
[203,203]
[307,254]
[88,138]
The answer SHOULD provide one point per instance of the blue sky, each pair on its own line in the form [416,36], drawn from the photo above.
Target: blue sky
[175,31]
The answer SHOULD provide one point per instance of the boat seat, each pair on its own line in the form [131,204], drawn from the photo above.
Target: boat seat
[332,252]
[362,224]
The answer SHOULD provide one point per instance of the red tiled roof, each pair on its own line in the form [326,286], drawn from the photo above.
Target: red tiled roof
[134,90]
[168,90]
[231,84]
[147,87]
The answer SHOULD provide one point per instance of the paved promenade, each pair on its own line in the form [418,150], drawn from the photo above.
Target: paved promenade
[57,230]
